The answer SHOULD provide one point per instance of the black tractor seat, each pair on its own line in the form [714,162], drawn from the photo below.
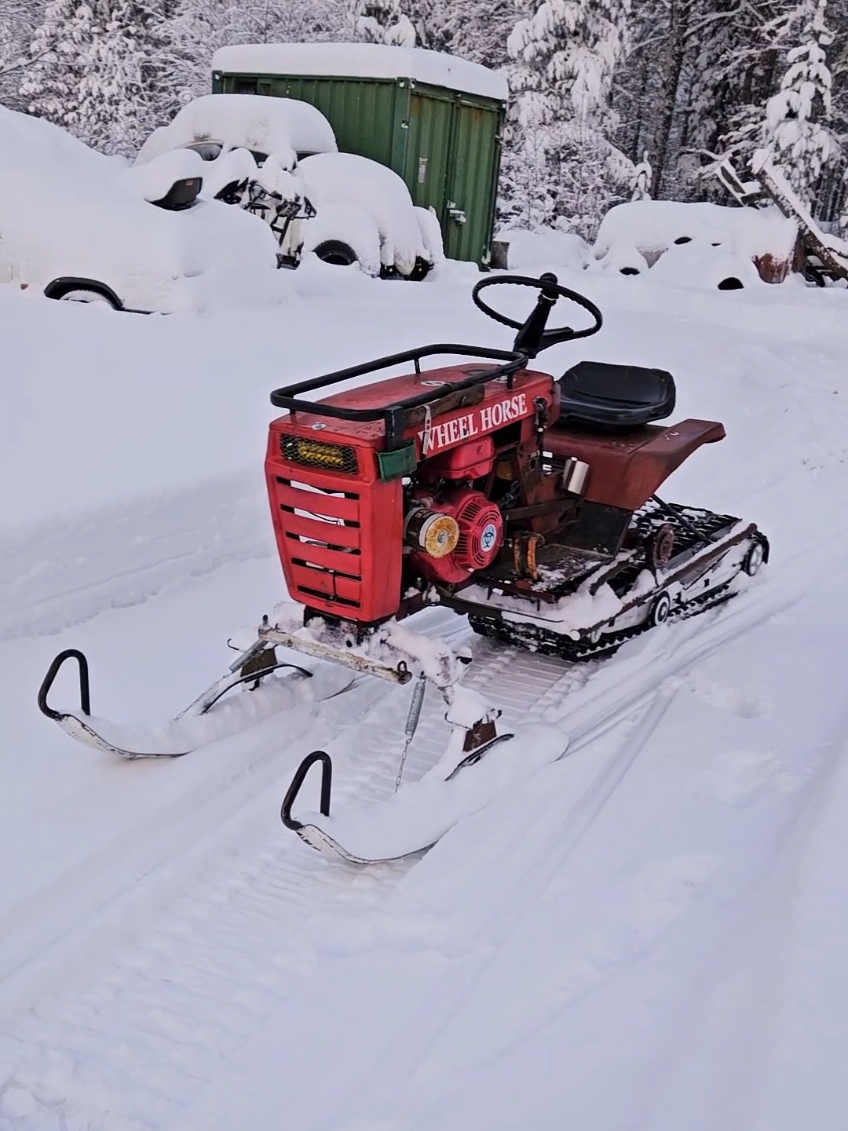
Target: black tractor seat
[596,394]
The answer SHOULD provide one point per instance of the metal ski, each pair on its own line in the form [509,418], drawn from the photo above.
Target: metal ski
[207,718]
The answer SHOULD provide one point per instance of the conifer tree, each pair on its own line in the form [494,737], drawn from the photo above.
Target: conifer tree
[51,86]
[561,166]
[797,116]
[121,96]
[383,21]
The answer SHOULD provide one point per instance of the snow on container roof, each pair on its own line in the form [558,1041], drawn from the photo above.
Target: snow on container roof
[361,60]
[249,121]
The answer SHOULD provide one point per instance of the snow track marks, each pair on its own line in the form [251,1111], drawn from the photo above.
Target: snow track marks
[210,949]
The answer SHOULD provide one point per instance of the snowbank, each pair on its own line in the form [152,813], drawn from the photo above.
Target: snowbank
[536,251]
[250,121]
[361,60]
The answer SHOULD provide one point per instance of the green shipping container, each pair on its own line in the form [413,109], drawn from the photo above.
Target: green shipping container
[435,119]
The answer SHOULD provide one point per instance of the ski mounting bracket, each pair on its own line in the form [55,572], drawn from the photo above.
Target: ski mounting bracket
[50,677]
[297,782]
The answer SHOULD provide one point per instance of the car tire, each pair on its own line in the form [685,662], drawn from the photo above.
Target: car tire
[83,290]
[336,252]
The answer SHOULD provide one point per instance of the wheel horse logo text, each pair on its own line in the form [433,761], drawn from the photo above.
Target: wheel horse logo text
[487,418]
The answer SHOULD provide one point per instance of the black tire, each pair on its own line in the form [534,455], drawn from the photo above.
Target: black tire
[336,252]
[660,610]
[70,289]
[420,271]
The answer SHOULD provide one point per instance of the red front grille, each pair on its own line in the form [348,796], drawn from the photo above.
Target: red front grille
[339,534]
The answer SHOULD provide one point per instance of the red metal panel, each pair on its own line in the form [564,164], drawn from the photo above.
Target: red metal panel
[321,556]
[378,510]
[305,583]
[333,506]
[331,532]
[625,469]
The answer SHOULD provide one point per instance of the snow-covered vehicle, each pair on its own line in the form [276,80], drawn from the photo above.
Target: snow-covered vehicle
[79,226]
[278,158]
[694,243]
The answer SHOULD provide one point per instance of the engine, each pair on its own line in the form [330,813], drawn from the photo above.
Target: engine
[454,535]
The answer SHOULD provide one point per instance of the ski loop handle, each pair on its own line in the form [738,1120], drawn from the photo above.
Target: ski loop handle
[49,679]
[297,782]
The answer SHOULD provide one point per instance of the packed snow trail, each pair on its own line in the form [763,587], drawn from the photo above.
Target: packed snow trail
[239,921]
[535,957]
[259,894]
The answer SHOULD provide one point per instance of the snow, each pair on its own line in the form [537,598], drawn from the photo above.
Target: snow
[230,165]
[347,178]
[361,60]
[582,609]
[248,121]
[67,211]
[431,235]
[646,933]
[653,226]
[700,265]
[531,251]
[231,714]
[351,223]
[762,163]
[153,180]
[419,814]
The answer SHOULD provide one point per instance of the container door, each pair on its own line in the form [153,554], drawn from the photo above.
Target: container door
[471,185]
[428,149]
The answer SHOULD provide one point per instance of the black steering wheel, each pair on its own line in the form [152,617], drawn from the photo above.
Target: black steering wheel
[532,337]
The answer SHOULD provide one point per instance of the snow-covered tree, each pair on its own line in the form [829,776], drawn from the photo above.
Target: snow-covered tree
[640,181]
[383,21]
[479,31]
[18,21]
[797,116]
[51,85]
[198,28]
[472,29]
[122,97]
[561,166]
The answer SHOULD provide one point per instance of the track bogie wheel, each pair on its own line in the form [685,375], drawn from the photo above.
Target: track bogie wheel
[755,558]
[660,610]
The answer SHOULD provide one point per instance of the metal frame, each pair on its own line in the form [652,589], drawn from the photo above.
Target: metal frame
[297,782]
[50,678]
[290,396]
[398,673]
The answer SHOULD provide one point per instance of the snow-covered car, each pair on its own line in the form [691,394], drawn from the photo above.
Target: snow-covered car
[278,158]
[699,244]
[81,226]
